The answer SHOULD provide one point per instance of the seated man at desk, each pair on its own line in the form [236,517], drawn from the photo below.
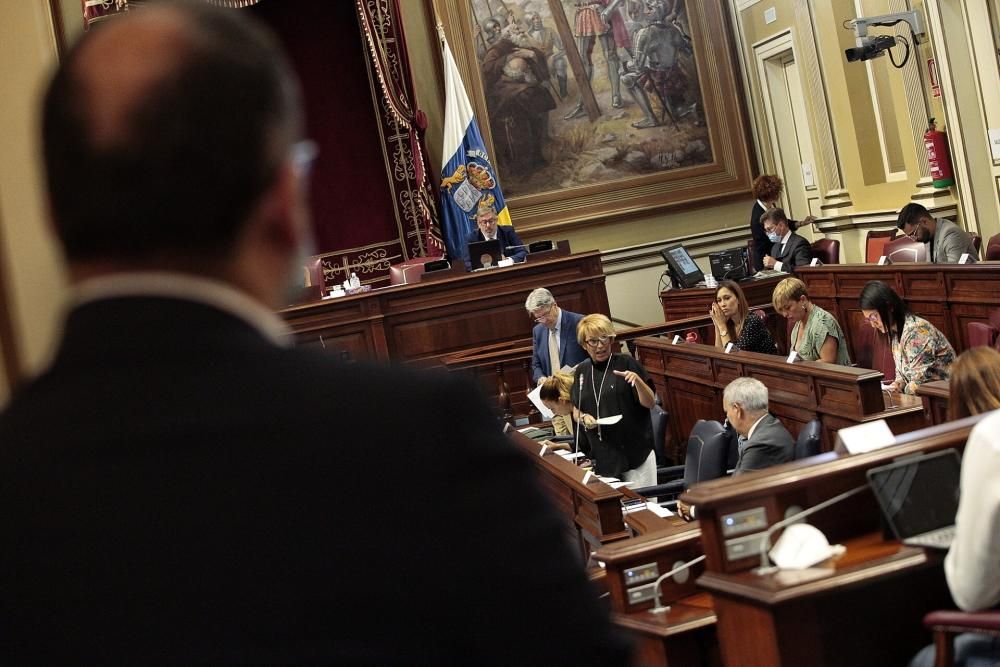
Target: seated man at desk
[553,340]
[763,439]
[946,242]
[789,250]
[511,244]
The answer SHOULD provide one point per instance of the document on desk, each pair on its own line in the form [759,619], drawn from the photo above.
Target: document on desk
[608,421]
[534,396]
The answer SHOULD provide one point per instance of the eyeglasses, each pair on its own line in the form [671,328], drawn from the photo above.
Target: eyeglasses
[540,314]
[595,342]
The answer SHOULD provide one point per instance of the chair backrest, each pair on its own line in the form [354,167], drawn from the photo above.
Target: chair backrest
[905,249]
[977,243]
[752,257]
[659,417]
[984,333]
[707,452]
[993,248]
[408,271]
[875,243]
[827,251]
[808,442]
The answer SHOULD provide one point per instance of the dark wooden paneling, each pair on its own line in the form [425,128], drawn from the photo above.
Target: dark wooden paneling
[423,322]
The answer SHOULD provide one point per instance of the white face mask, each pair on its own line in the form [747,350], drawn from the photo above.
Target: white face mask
[802,545]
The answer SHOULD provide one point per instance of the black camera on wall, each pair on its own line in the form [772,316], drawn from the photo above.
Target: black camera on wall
[871,47]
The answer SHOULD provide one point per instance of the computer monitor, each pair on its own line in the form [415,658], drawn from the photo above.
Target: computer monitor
[731,264]
[683,271]
[484,254]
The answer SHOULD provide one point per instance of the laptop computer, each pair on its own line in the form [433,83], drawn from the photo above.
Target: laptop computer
[484,254]
[918,497]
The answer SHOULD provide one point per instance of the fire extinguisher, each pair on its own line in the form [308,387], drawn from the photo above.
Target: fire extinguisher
[936,143]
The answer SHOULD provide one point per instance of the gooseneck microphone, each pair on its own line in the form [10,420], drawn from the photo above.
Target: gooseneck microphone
[658,608]
[576,432]
[765,543]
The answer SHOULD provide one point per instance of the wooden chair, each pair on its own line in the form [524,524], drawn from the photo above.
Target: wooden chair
[945,624]
[875,243]
[409,271]
[977,243]
[993,248]
[827,251]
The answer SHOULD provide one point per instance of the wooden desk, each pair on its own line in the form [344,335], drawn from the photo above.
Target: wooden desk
[947,295]
[423,322]
[695,301]
[593,510]
[864,609]
[935,396]
[691,378]
[685,635]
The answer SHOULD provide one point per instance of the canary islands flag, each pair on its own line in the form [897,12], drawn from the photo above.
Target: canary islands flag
[468,179]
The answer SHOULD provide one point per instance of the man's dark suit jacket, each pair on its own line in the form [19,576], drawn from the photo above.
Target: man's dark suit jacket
[796,253]
[177,489]
[570,352]
[770,444]
[507,237]
[761,244]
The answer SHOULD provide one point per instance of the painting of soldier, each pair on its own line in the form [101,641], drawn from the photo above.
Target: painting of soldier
[620,99]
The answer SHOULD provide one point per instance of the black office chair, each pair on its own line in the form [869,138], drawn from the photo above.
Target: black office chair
[707,458]
[809,440]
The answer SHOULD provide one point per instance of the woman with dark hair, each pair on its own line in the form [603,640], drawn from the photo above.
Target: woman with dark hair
[975,383]
[734,323]
[767,191]
[921,352]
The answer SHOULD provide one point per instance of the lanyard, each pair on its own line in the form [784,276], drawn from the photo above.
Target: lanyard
[598,392]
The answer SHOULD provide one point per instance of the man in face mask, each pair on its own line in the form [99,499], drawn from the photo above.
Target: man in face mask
[789,250]
[946,242]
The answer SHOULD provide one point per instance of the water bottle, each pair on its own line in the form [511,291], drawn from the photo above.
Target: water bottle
[355,281]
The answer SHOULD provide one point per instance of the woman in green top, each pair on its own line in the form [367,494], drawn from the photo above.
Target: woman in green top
[816,335]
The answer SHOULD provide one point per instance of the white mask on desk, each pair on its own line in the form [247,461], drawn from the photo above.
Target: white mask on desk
[802,545]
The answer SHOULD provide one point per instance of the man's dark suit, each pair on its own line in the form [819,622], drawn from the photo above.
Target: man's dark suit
[178,489]
[570,352]
[507,237]
[770,444]
[795,253]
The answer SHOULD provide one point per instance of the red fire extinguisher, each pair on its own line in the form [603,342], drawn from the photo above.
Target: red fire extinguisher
[936,143]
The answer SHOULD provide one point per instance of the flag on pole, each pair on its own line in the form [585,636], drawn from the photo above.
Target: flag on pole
[468,178]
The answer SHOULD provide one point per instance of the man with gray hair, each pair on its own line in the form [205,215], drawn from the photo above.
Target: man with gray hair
[553,339]
[763,440]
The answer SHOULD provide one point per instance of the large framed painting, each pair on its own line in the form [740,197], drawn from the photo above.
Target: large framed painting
[603,109]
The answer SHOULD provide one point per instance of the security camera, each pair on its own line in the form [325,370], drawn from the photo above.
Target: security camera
[870,47]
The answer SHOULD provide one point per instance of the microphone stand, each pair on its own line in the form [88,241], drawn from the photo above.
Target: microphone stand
[765,543]
[658,608]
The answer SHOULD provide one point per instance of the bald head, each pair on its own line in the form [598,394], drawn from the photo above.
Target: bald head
[162,129]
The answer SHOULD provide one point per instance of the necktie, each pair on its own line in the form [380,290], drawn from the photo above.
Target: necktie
[741,443]
[553,352]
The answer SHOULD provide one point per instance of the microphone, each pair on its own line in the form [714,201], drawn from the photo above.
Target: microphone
[576,433]
[658,608]
[765,542]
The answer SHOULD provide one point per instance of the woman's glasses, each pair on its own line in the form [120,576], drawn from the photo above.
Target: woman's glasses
[596,342]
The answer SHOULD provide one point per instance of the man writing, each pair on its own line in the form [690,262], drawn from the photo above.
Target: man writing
[946,242]
[180,486]
[789,250]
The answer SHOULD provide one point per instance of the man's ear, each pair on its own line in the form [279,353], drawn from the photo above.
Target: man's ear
[279,209]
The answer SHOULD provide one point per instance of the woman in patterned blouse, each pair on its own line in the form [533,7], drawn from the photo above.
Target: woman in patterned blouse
[734,323]
[920,351]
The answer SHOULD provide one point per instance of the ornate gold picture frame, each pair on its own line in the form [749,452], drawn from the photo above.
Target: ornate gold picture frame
[613,158]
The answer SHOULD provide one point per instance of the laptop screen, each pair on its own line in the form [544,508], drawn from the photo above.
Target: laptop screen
[918,495]
[484,254]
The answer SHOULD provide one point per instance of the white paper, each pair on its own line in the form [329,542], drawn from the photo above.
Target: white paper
[729,348]
[677,339]
[883,260]
[866,437]
[608,480]
[535,396]
[887,387]
[571,456]
[814,262]
[617,485]
[964,259]
[608,421]
[508,261]
[791,357]
[658,510]
[587,476]
[803,545]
